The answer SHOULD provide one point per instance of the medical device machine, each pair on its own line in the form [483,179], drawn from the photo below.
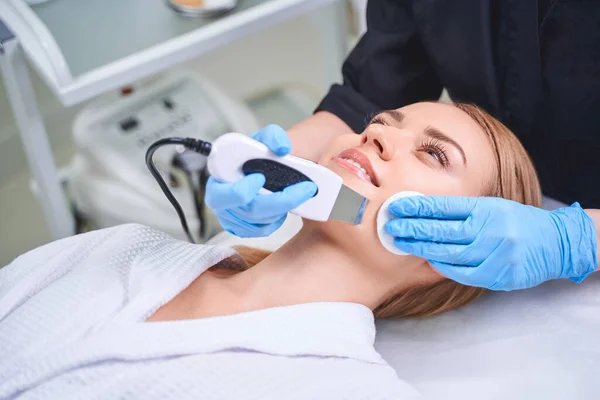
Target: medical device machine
[233,156]
[108,180]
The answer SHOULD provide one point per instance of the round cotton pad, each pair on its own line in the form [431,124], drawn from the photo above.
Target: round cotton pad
[383,216]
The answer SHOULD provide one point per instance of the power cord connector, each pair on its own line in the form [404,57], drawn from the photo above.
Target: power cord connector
[199,146]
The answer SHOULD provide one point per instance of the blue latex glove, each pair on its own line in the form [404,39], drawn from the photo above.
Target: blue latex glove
[243,212]
[496,243]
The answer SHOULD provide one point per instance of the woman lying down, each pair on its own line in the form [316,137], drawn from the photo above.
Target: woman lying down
[128,312]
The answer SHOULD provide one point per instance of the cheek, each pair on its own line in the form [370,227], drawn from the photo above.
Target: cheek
[414,175]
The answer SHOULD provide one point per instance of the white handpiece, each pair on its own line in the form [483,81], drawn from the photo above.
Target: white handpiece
[232,151]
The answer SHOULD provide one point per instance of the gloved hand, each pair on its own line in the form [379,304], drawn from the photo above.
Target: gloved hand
[496,243]
[243,212]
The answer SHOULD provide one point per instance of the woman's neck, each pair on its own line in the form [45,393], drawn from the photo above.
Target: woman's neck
[312,267]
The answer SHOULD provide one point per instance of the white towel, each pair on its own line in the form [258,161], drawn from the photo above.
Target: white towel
[72,327]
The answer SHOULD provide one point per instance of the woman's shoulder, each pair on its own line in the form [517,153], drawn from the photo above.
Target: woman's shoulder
[116,249]
[56,255]
[78,243]
[126,260]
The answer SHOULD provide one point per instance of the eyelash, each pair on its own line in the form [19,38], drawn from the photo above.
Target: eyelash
[436,147]
[378,120]
[427,145]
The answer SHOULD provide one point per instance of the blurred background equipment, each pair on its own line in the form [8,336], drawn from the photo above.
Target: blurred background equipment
[277,56]
[108,179]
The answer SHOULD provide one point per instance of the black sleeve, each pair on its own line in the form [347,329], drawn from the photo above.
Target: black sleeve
[387,69]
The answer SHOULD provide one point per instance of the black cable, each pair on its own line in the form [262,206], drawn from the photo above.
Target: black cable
[197,184]
[199,197]
[198,146]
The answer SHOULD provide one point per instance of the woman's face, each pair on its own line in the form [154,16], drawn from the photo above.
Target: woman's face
[431,148]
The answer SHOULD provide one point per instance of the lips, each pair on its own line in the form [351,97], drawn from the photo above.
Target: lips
[359,163]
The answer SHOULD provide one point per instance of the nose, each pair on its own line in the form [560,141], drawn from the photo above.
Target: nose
[375,136]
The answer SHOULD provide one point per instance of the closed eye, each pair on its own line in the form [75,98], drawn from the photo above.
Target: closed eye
[378,119]
[436,150]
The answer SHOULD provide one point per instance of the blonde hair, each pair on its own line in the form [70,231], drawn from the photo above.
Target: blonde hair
[515,179]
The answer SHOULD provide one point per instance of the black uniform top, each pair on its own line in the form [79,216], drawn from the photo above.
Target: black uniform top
[535,65]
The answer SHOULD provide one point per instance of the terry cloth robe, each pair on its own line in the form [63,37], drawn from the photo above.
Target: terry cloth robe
[72,326]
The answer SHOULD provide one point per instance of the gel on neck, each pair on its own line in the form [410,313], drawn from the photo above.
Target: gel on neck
[384,215]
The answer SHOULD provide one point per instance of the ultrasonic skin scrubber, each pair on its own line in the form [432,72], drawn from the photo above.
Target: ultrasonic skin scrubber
[233,155]
[384,215]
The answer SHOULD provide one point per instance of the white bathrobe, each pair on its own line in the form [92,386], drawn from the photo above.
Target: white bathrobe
[72,326]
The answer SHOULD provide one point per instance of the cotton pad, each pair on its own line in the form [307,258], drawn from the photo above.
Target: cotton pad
[383,216]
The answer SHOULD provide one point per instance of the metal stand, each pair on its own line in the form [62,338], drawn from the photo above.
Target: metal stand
[37,149]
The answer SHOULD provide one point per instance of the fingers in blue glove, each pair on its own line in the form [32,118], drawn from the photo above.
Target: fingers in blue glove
[432,230]
[275,138]
[223,195]
[269,207]
[468,255]
[465,275]
[442,207]
[442,256]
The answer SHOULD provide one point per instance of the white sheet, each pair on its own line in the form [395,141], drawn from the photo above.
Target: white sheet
[541,343]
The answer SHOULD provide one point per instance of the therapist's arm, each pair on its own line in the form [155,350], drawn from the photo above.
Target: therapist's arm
[595,215]
[311,136]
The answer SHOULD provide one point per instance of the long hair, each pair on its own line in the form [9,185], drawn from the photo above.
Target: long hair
[515,179]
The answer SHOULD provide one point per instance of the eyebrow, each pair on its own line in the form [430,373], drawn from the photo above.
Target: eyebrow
[395,114]
[439,135]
